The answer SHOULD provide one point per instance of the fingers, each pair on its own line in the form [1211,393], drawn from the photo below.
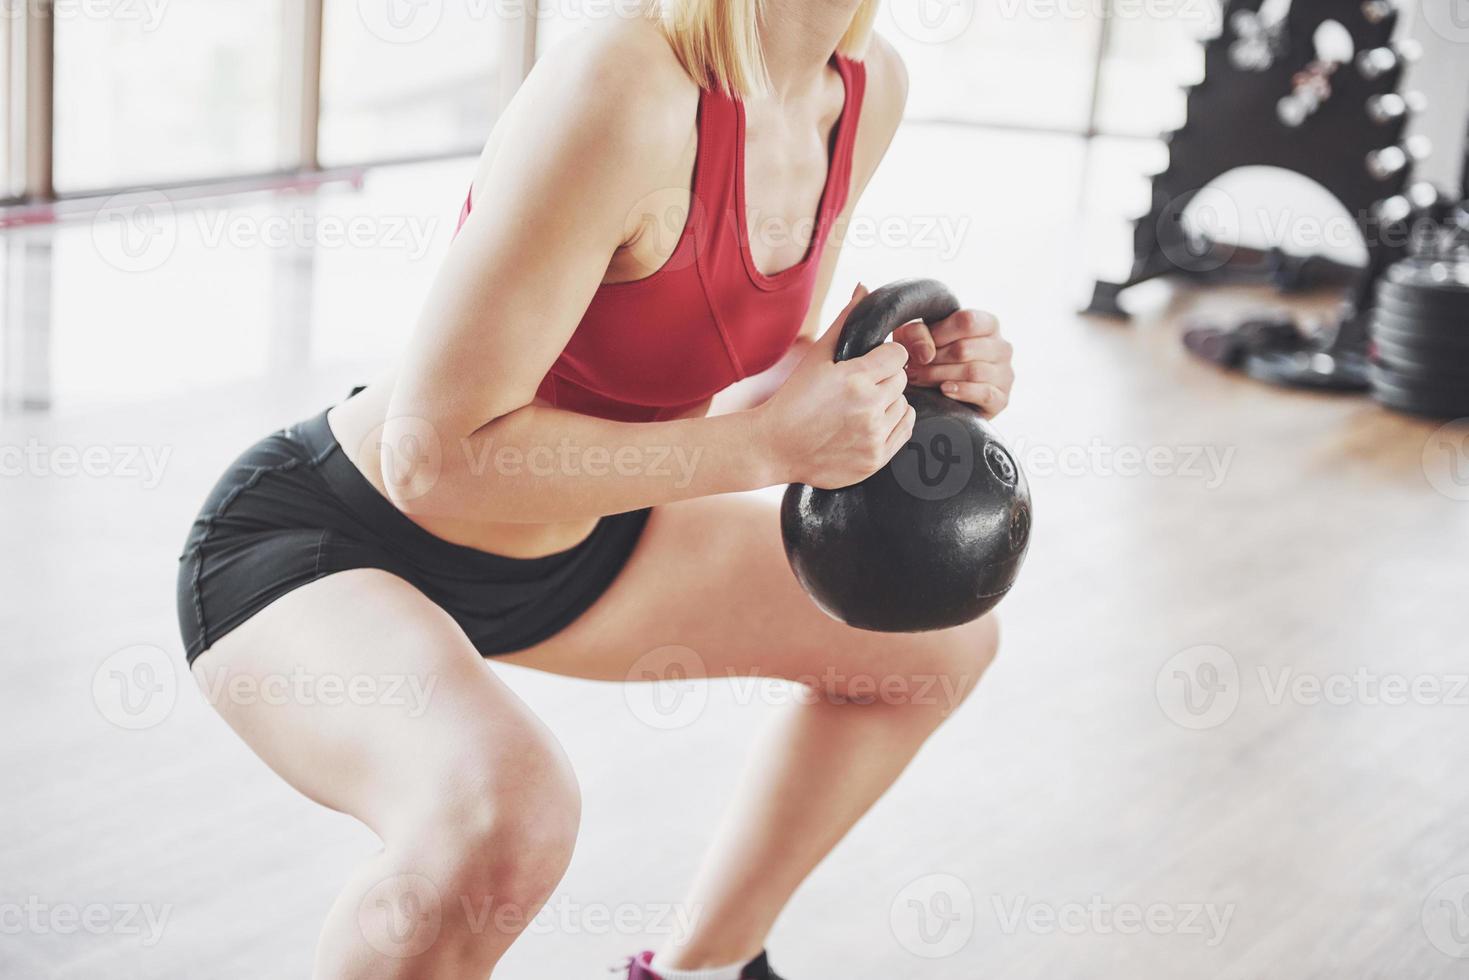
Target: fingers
[993,348]
[828,340]
[918,339]
[890,389]
[901,432]
[988,398]
[882,361]
[984,372]
[965,323]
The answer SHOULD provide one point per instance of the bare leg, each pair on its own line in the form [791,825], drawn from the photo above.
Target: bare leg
[472,797]
[827,760]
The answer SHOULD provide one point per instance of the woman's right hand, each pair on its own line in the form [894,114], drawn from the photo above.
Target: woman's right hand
[835,424]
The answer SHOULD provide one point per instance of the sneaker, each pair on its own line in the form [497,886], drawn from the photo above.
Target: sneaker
[757,969]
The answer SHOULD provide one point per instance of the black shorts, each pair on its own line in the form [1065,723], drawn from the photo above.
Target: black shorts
[293,508]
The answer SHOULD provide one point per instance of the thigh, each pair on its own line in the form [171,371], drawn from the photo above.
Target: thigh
[370,699]
[710,575]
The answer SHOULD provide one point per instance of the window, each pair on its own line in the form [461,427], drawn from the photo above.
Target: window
[403,79]
[999,63]
[10,117]
[1153,52]
[149,93]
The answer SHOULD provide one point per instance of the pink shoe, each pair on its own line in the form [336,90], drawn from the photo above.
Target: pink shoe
[758,969]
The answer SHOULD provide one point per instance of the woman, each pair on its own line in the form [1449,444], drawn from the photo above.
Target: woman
[507,492]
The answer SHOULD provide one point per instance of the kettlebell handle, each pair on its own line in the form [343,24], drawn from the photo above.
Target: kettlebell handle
[886,309]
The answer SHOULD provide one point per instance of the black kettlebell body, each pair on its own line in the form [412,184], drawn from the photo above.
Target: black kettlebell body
[937,536]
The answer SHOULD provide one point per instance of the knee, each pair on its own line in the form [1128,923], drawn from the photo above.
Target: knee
[499,833]
[949,664]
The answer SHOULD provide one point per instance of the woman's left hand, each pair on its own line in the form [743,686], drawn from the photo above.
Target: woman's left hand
[963,356]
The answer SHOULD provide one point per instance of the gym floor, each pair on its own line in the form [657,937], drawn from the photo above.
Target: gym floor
[1223,739]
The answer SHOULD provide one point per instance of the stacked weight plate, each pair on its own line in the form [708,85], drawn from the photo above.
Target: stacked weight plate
[1420,338]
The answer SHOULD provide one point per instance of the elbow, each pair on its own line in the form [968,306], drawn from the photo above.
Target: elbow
[412,459]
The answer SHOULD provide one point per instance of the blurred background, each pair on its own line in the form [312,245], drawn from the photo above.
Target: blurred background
[218,215]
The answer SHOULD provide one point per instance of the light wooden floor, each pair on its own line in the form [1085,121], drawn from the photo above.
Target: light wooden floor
[1085,777]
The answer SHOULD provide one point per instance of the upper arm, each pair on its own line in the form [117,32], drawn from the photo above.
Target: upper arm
[583,140]
[882,111]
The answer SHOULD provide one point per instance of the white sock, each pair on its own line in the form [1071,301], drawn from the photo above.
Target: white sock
[713,973]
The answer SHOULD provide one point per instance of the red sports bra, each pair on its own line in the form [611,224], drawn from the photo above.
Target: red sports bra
[659,346]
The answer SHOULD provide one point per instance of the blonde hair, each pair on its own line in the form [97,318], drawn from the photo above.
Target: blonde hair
[718,41]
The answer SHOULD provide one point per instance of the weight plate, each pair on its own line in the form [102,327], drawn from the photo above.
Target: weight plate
[1432,274]
[1443,345]
[1418,356]
[1414,311]
[1454,392]
[1449,373]
[1415,405]
[1430,300]
[1427,327]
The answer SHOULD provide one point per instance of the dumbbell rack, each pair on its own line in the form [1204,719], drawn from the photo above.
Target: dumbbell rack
[1350,143]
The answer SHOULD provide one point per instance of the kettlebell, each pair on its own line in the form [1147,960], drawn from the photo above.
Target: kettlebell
[937,536]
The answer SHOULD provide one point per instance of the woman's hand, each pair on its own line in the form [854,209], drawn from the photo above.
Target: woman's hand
[963,356]
[832,425]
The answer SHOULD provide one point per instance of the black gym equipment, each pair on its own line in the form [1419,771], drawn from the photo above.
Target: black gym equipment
[1420,329]
[937,536]
[1271,98]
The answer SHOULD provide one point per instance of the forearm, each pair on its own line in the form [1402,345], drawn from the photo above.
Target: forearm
[544,465]
[757,389]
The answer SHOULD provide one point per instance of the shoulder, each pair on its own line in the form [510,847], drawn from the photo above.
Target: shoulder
[617,86]
[887,86]
[882,106]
